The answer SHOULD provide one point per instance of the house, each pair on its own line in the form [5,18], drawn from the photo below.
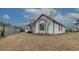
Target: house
[28,28]
[45,25]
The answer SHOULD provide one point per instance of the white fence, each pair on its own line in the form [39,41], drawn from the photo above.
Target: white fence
[10,30]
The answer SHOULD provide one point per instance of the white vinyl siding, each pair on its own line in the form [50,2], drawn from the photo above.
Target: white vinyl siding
[51,27]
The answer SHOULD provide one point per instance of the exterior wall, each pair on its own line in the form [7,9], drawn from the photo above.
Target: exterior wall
[27,28]
[36,27]
[48,26]
[44,31]
[56,29]
[63,29]
[51,27]
[33,28]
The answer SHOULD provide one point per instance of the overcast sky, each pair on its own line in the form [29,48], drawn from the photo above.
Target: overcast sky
[66,16]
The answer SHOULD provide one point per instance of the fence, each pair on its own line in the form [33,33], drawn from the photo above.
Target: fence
[8,29]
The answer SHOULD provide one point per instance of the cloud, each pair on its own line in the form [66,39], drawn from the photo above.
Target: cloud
[67,19]
[77,9]
[64,19]
[59,17]
[23,24]
[34,13]
[29,16]
[6,17]
[73,15]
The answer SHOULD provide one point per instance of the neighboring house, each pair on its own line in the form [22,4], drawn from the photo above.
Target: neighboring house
[45,25]
[7,29]
[28,28]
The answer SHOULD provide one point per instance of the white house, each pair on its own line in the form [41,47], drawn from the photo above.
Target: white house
[46,25]
[29,27]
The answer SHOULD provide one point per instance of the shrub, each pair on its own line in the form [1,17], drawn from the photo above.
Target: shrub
[2,33]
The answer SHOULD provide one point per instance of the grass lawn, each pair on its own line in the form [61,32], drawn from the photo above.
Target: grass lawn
[25,42]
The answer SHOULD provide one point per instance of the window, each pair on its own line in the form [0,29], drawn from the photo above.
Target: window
[42,26]
[27,27]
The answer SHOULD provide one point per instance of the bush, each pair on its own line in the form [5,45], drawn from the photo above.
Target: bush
[2,33]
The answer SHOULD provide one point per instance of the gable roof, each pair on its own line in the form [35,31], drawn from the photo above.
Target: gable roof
[49,18]
[30,24]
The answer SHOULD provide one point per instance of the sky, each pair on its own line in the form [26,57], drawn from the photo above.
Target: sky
[22,16]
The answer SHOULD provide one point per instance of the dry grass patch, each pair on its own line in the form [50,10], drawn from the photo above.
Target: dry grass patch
[24,42]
